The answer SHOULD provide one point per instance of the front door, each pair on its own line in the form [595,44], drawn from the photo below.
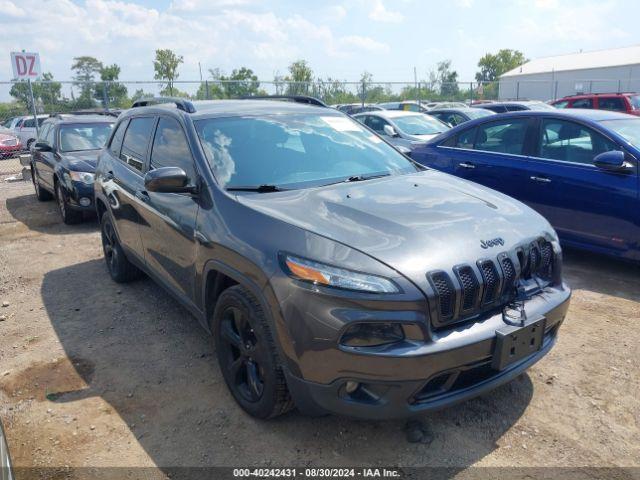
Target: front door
[591,205]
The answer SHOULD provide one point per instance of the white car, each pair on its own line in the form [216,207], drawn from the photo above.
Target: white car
[25,129]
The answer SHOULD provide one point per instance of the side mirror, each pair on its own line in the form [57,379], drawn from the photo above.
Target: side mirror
[42,147]
[612,161]
[389,130]
[168,180]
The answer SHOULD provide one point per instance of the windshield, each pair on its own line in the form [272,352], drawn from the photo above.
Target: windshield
[627,128]
[294,151]
[84,136]
[478,112]
[419,125]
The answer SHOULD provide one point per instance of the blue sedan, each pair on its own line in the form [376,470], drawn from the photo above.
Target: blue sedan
[578,168]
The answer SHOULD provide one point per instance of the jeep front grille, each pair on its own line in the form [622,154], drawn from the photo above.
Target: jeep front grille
[487,285]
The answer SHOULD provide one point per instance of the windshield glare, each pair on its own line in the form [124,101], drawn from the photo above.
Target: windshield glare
[84,136]
[294,151]
[419,125]
[629,129]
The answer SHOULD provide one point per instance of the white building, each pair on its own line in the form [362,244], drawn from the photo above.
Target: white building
[602,71]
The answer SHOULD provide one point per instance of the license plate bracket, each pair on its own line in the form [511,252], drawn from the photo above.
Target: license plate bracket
[513,343]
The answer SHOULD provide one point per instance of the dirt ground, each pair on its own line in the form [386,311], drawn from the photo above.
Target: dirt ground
[96,374]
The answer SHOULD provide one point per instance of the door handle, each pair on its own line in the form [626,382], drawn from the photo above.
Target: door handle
[540,179]
[142,195]
[467,165]
[201,238]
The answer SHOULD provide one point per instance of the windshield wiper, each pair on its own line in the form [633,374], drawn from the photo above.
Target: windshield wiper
[360,178]
[266,188]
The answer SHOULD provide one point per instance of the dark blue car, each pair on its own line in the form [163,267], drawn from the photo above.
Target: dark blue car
[578,168]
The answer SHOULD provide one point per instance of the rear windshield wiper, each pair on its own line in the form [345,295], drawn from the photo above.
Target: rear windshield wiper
[256,188]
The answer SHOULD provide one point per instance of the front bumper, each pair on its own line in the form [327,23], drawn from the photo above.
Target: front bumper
[78,192]
[453,367]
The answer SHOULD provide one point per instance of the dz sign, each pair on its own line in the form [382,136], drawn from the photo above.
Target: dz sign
[25,65]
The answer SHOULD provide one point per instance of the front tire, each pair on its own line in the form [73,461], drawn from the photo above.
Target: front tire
[118,265]
[247,355]
[69,216]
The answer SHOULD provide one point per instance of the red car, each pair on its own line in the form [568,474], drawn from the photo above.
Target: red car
[9,145]
[618,102]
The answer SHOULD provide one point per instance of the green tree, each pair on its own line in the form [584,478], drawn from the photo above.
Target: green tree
[444,80]
[493,65]
[85,69]
[299,79]
[212,89]
[112,94]
[166,67]
[242,82]
[47,94]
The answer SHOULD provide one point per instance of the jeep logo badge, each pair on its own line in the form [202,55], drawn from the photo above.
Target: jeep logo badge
[491,243]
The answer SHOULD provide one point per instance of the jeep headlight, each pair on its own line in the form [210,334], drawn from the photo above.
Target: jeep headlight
[84,177]
[322,274]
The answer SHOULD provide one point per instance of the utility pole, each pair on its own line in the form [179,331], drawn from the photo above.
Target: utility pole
[33,104]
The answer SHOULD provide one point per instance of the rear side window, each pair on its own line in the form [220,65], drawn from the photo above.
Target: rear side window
[116,141]
[28,123]
[582,103]
[502,137]
[571,142]
[136,141]
[612,103]
[170,148]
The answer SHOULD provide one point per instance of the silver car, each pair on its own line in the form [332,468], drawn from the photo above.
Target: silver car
[25,129]
[404,130]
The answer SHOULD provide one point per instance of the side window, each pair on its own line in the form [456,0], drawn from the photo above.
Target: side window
[377,124]
[136,140]
[571,142]
[562,104]
[43,132]
[116,140]
[612,103]
[28,123]
[49,134]
[170,148]
[465,139]
[457,119]
[515,108]
[502,137]
[582,103]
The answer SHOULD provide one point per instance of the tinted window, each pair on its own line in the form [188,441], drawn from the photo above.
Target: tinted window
[497,108]
[582,103]
[170,147]
[136,140]
[295,151]
[376,124]
[515,108]
[571,142]
[503,137]
[612,103]
[116,141]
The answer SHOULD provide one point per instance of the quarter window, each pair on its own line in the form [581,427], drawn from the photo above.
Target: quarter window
[116,140]
[571,142]
[502,137]
[136,140]
[170,148]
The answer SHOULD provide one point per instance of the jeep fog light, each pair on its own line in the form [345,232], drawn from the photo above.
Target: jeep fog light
[372,334]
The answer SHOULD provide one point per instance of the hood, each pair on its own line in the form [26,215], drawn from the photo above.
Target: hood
[412,223]
[82,161]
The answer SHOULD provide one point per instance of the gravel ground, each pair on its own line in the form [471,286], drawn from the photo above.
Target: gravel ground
[94,374]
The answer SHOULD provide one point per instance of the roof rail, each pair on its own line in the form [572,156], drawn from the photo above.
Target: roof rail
[180,103]
[111,113]
[291,98]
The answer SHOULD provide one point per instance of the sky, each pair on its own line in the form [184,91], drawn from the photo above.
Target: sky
[339,39]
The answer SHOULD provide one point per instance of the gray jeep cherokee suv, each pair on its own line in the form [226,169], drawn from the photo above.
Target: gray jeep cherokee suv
[334,273]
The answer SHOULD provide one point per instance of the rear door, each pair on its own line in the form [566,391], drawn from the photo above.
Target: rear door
[169,219]
[44,161]
[585,204]
[129,148]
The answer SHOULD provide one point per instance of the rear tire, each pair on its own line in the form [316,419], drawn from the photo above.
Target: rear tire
[69,216]
[41,194]
[248,356]
[118,265]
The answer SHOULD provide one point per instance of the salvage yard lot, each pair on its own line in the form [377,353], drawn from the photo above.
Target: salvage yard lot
[98,374]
